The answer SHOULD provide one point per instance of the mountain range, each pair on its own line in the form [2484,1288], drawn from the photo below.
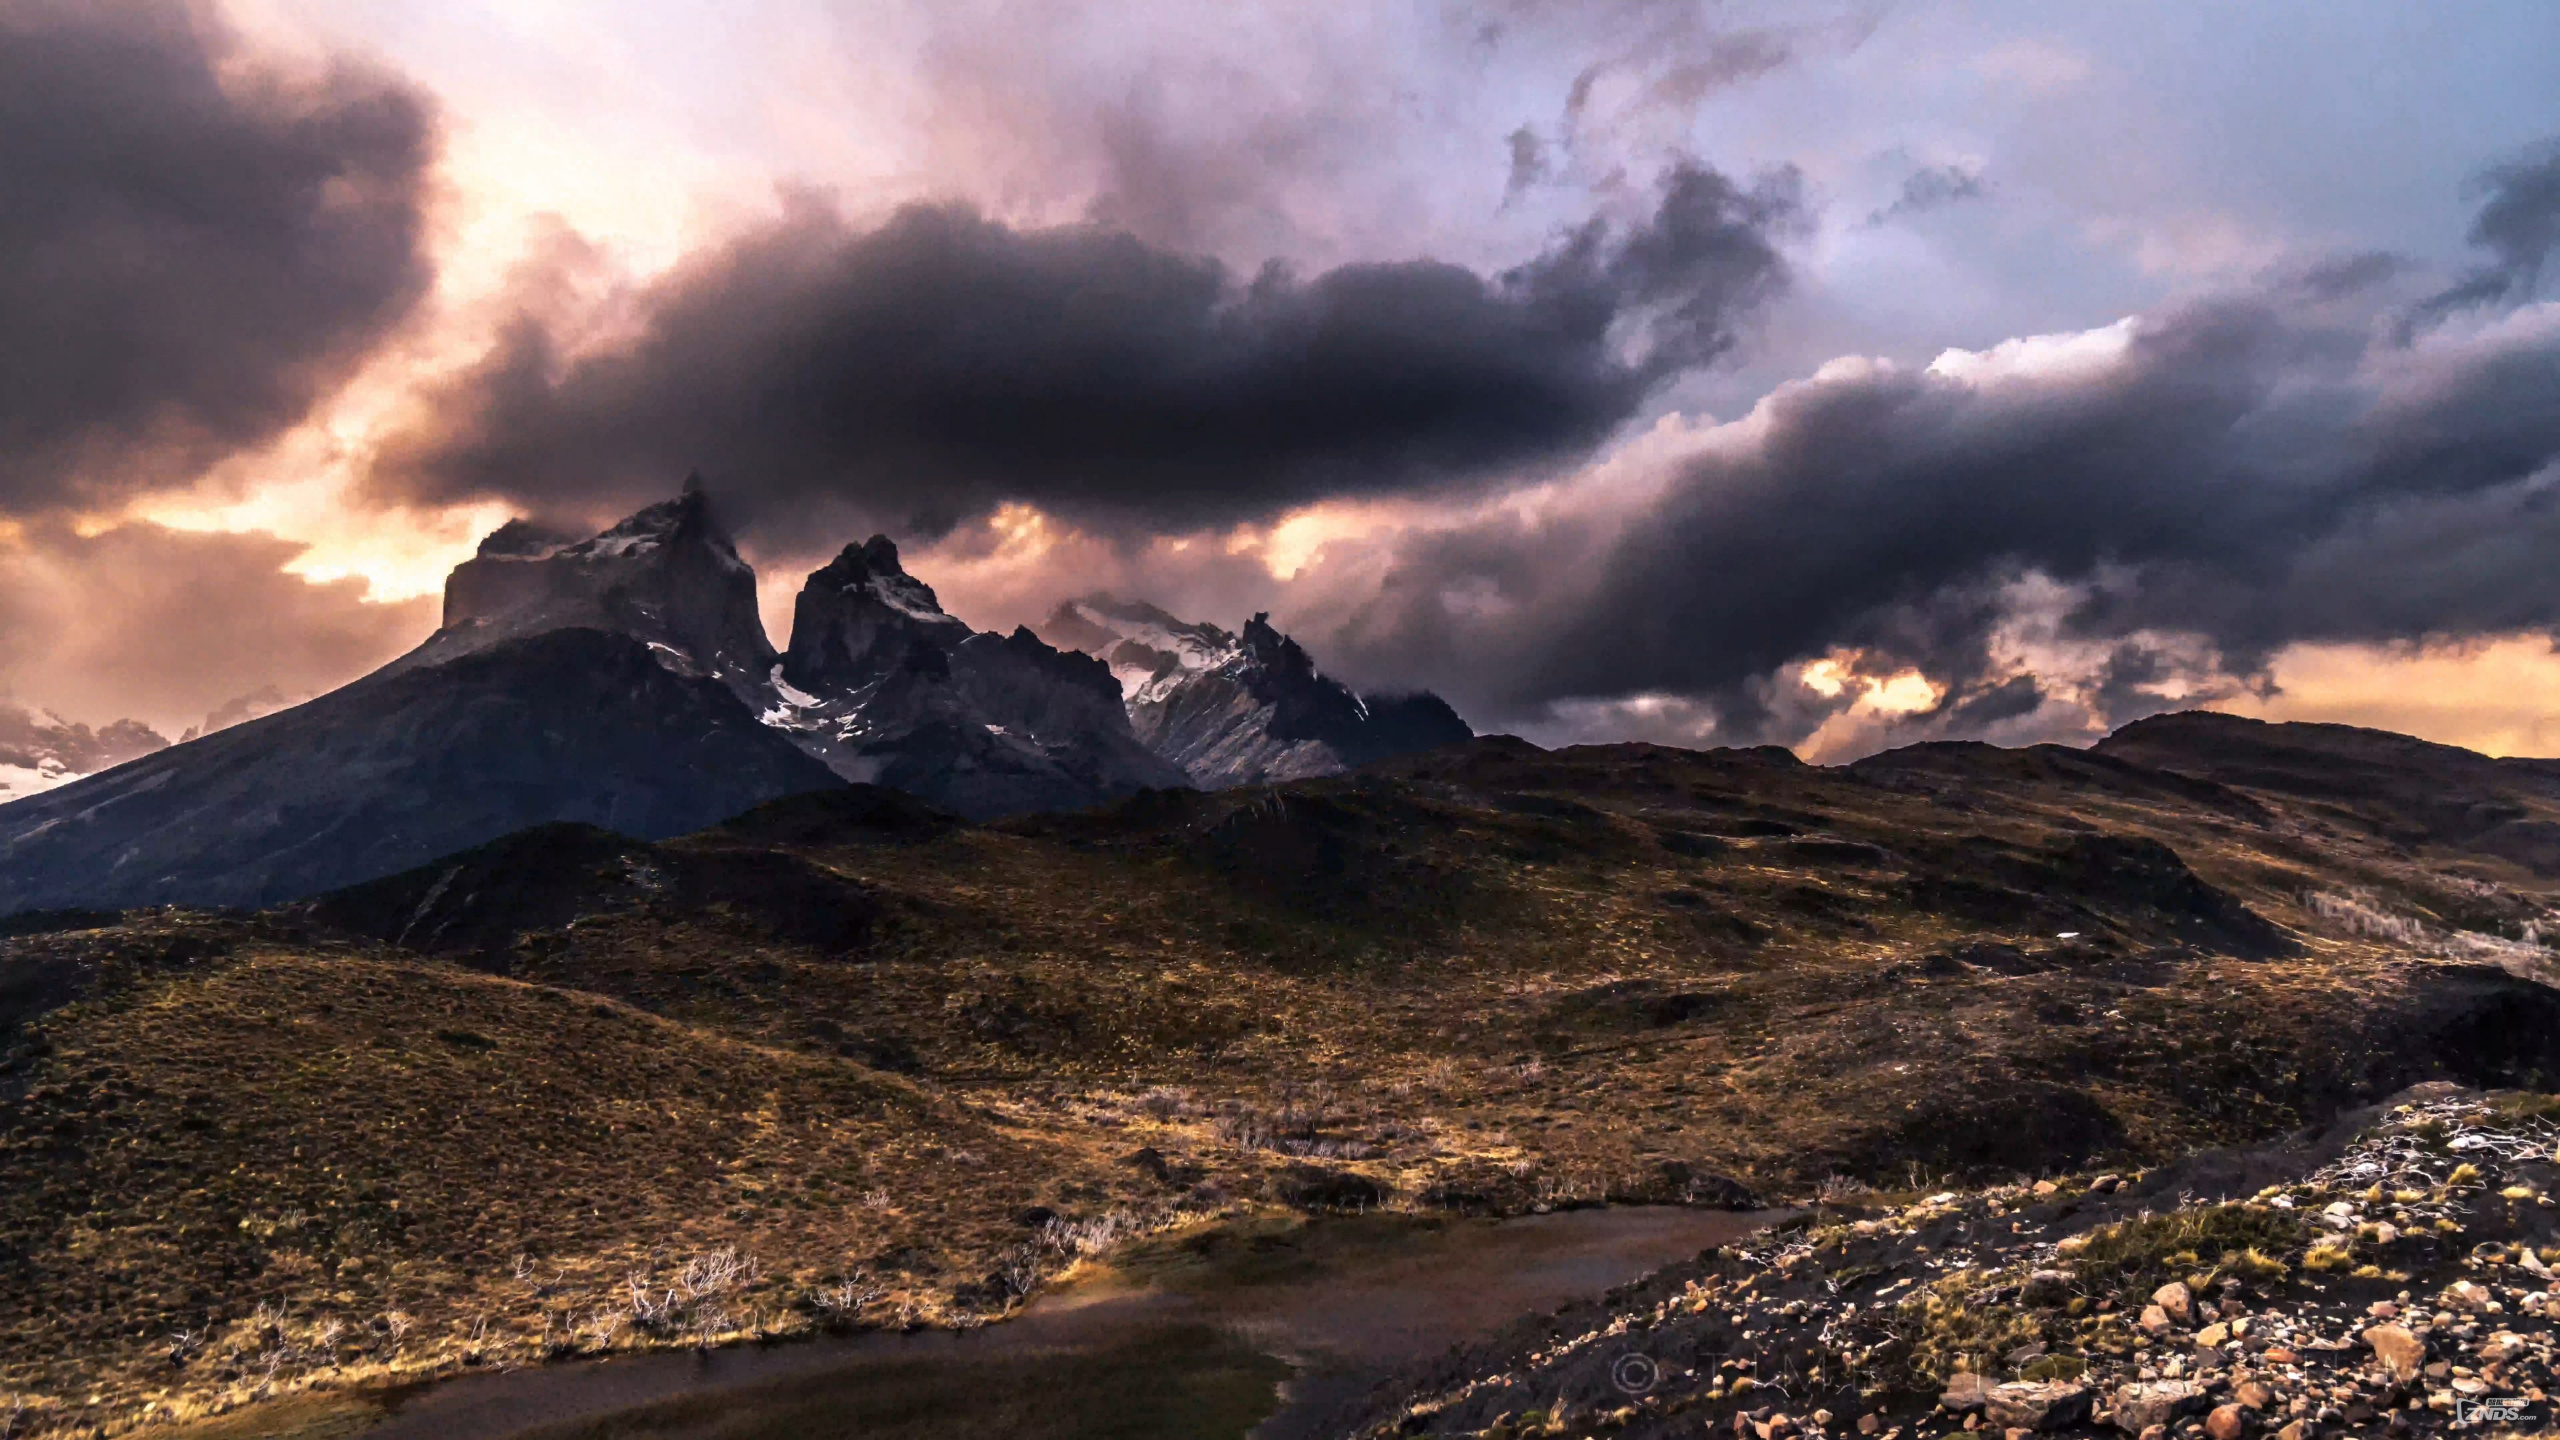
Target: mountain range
[1247,708]
[39,752]
[624,680]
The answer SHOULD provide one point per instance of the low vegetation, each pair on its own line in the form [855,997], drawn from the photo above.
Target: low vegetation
[843,1063]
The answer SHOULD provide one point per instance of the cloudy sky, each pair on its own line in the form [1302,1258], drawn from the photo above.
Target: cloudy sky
[1838,375]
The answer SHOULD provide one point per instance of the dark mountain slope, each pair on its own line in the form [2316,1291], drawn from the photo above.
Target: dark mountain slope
[399,768]
[2407,791]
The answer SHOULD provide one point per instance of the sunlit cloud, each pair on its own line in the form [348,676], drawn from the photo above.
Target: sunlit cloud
[2499,695]
[582,155]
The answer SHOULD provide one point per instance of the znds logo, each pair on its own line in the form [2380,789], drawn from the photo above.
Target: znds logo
[2496,1410]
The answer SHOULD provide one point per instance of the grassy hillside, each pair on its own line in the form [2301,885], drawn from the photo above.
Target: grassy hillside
[856,1043]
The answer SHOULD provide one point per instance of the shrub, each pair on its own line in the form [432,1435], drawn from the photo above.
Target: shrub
[2209,1242]
[1944,1331]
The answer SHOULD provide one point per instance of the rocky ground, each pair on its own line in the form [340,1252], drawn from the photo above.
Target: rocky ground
[2389,1278]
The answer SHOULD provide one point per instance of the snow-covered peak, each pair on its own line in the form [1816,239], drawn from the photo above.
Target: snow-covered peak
[685,520]
[1148,650]
[41,751]
[1246,707]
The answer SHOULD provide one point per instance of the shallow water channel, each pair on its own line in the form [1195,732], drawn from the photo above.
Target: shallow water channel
[1259,1328]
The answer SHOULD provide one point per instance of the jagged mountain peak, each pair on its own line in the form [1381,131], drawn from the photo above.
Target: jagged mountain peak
[685,521]
[668,574]
[522,539]
[860,616]
[871,569]
[1280,659]
[888,688]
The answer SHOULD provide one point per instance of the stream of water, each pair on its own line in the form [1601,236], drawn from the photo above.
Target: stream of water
[1260,1328]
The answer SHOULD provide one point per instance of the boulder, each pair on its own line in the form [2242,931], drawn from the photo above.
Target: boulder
[1316,1188]
[2400,1353]
[2048,1287]
[2141,1406]
[1965,1393]
[2026,1405]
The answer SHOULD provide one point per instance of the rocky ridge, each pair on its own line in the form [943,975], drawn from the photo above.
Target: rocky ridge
[1247,707]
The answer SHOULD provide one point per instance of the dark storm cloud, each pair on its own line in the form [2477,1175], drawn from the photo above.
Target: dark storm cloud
[2245,471]
[1529,163]
[943,363]
[2518,224]
[1932,187]
[185,262]
[1676,66]
[1652,67]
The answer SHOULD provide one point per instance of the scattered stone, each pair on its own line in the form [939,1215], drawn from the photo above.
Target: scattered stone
[2304,1353]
